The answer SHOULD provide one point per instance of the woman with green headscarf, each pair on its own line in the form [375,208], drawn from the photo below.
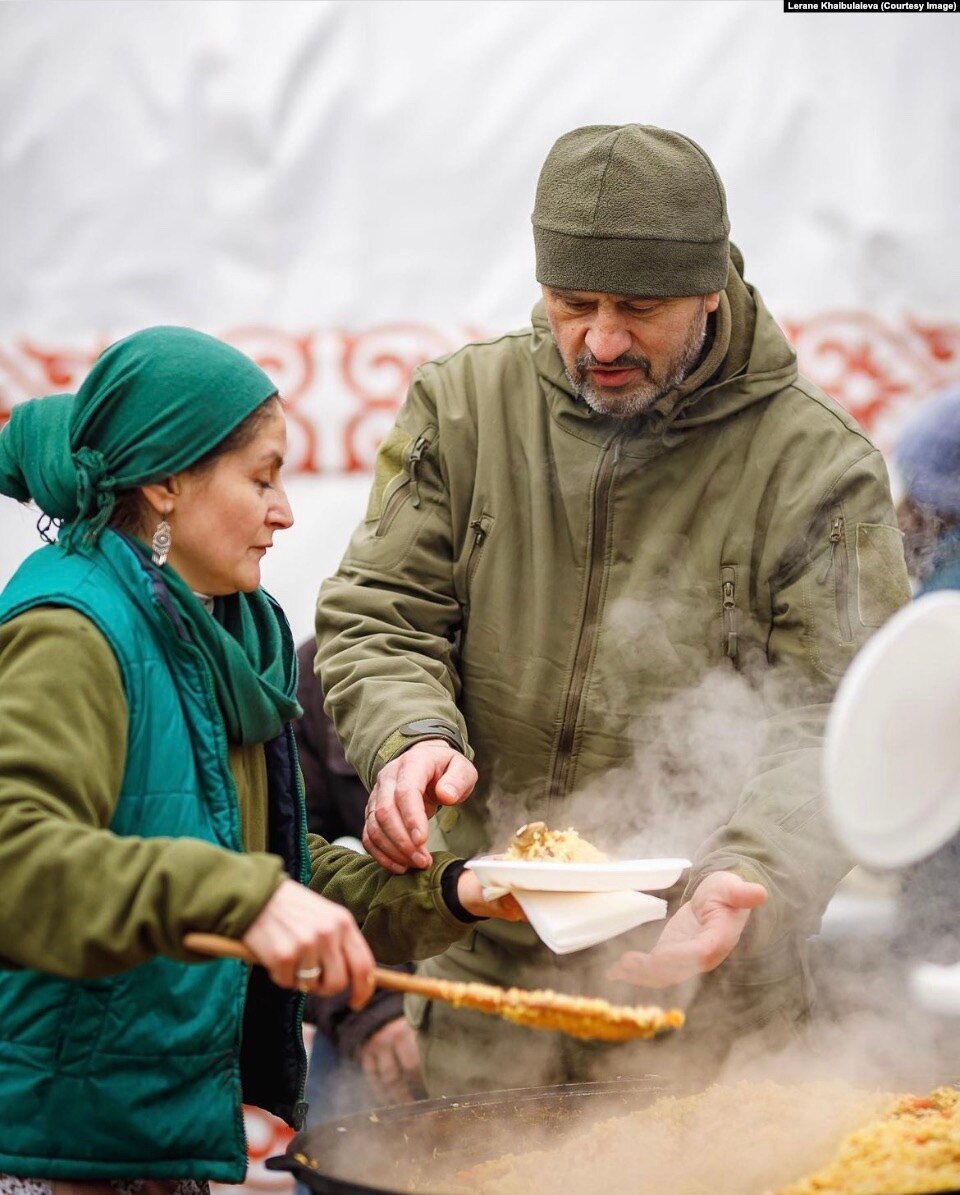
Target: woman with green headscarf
[149,787]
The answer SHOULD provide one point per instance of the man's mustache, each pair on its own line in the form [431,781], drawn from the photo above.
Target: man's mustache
[587,361]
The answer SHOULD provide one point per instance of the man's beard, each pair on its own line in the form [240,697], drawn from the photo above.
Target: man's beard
[627,402]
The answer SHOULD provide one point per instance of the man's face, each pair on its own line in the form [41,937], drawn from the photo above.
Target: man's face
[622,352]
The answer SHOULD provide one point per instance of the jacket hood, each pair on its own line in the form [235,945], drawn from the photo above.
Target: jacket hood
[749,359]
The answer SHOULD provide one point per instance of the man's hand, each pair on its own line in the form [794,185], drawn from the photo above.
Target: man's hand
[391,1062]
[408,791]
[470,895]
[299,931]
[698,937]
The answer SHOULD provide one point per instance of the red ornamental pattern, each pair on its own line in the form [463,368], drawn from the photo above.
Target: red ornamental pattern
[876,369]
[342,388]
[377,366]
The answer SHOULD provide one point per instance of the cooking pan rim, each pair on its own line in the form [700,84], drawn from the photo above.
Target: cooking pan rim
[325,1184]
[480,1099]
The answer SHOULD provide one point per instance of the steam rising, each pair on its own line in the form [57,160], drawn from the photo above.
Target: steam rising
[690,761]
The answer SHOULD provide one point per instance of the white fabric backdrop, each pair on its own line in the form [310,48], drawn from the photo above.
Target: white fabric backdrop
[343,189]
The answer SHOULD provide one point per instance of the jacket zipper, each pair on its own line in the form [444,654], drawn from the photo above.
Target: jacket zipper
[420,446]
[481,529]
[838,562]
[728,587]
[411,483]
[588,625]
[224,760]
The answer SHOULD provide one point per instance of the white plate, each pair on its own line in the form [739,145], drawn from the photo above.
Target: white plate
[535,875]
[892,752]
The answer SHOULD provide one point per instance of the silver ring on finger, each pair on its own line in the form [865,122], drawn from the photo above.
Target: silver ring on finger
[307,975]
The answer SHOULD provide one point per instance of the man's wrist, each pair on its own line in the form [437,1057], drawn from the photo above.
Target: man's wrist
[419,731]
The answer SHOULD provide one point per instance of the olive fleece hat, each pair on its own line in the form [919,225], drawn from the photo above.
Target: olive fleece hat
[632,210]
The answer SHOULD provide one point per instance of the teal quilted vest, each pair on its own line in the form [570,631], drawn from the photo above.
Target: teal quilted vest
[139,1075]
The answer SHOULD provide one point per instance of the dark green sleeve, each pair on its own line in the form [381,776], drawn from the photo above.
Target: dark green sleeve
[80,901]
[402,917]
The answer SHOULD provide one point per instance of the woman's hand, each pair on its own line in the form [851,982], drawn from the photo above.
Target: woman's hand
[470,895]
[297,931]
[698,937]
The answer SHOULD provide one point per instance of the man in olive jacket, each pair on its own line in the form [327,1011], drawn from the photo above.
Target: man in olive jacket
[631,525]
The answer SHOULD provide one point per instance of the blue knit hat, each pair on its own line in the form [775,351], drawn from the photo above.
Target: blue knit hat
[928,454]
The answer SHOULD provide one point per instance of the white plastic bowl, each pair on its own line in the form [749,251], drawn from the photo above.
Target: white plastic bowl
[892,753]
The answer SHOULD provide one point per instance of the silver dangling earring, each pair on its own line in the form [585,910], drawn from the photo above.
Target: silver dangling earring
[161,543]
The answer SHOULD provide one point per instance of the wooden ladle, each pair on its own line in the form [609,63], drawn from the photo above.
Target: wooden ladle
[576,1016]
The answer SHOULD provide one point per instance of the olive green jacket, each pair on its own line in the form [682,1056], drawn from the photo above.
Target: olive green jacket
[633,626]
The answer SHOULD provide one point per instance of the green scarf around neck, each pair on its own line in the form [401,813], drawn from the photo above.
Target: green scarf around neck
[246,644]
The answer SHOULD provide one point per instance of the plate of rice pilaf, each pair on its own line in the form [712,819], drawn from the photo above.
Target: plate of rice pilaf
[539,859]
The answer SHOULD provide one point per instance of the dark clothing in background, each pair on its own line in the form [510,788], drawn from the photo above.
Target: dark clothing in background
[336,797]
[336,803]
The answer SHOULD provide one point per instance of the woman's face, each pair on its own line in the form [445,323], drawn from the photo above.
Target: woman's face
[224,518]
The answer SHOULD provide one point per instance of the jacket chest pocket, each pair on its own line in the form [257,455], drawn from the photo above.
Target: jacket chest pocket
[835,574]
[406,458]
[729,614]
[478,532]
[400,498]
[743,626]
[480,529]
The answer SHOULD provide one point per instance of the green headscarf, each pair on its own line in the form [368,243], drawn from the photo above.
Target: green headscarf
[34,446]
[154,404]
